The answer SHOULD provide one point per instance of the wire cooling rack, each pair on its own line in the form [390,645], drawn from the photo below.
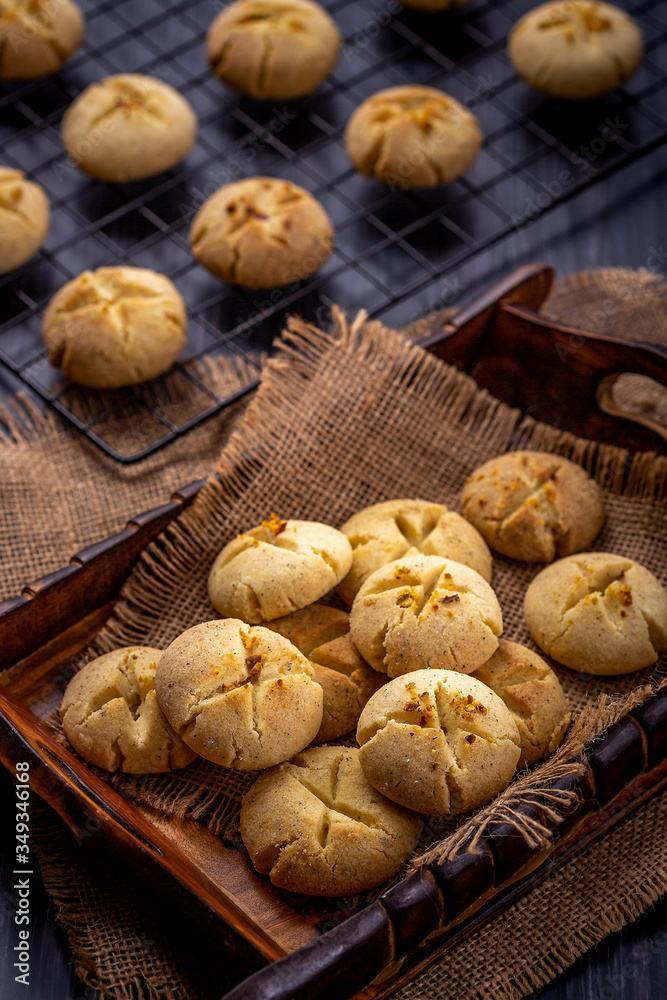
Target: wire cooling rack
[390,245]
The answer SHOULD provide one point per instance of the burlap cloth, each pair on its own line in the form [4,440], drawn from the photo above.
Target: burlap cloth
[341,420]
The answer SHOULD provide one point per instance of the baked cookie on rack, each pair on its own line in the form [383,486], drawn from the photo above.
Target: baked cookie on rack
[111,715]
[24,218]
[273,49]
[575,49]
[113,327]
[261,232]
[390,530]
[316,825]
[437,741]
[533,506]
[128,127]
[412,136]
[37,37]
[239,695]
[599,613]
[425,611]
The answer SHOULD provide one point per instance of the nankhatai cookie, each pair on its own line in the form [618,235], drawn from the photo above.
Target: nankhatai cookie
[128,127]
[261,232]
[276,568]
[532,692]
[239,695]
[347,681]
[115,326]
[111,715]
[575,49]
[24,218]
[273,49]
[438,741]
[315,825]
[37,36]
[425,611]
[392,529]
[533,506]
[412,136]
[598,613]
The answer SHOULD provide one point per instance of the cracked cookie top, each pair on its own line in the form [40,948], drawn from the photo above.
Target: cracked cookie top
[273,49]
[128,127]
[115,326]
[276,568]
[533,506]
[111,716]
[598,613]
[37,36]
[575,49]
[425,611]
[412,136]
[532,692]
[392,529]
[316,825]
[239,695]
[24,218]
[261,232]
[437,741]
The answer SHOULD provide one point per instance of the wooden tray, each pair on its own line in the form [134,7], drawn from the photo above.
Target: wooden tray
[213,884]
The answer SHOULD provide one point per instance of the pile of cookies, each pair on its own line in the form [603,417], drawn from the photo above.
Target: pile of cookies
[260,232]
[444,708]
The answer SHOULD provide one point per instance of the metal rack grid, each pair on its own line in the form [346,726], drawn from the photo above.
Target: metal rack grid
[390,245]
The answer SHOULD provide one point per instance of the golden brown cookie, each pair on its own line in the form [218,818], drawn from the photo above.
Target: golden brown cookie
[316,825]
[128,127]
[437,741]
[37,36]
[238,695]
[276,568]
[273,49]
[115,326]
[392,529]
[347,681]
[111,715]
[532,693]
[425,611]
[261,232]
[575,49]
[533,506]
[412,136]
[598,613]
[24,218]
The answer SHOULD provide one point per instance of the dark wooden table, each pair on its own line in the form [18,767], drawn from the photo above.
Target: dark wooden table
[620,222]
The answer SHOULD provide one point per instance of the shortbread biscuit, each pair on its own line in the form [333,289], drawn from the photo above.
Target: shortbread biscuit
[239,695]
[533,506]
[315,825]
[273,49]
[532,693]
[412,136]
[128,127]
[347,681]
[598,613]
[425,611]
[261,232]
[111,715]
[575,49]
[115,326]
[24,218]
[437,742]
[276,568]
[37,36]
[390,530]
